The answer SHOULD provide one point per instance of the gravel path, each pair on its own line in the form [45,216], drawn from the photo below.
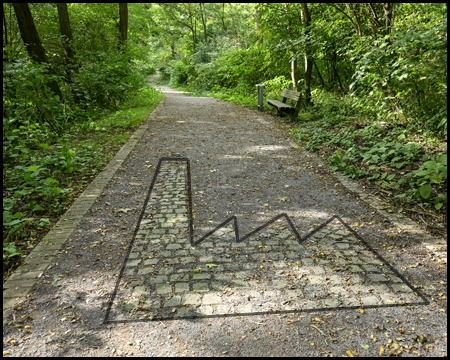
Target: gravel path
[246,247]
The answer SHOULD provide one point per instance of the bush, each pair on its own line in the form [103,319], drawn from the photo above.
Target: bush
[107,81]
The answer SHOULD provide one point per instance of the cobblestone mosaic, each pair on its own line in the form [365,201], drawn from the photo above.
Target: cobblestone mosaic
[166,275]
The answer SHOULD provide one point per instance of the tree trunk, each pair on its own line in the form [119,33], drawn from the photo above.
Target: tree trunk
[31,39]
[320,76]
[294,72]
[123,11]
[64,25]
[387,7]
[5,36]
[308,56]
[202,8]
[5,31]
[225,31]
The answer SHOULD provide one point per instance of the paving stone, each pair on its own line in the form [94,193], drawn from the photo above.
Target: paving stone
[281,284]
[377,277]
[201,276]
[400,288]
[370,300]
[151,261]
[330,302]
[318,269]
[181,287]
[132,304]
[173,246]
[209,299]
[163,288]
[200,287]
[145,271]
[139,290]
[173,301]
[192,299]
[205,310]
[187,260]
[355,269]
[206,259]
[133,263]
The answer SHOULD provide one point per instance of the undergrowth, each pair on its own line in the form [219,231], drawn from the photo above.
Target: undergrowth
[407,164]
[44,173]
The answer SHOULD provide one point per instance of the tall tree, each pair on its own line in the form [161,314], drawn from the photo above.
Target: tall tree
[203,15]
[308,55]
[123,10]
[31,39]
[66,33]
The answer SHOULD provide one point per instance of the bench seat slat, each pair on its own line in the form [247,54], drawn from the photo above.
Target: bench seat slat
[279,104]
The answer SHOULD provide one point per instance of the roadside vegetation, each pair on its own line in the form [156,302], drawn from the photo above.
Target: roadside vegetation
[64,119]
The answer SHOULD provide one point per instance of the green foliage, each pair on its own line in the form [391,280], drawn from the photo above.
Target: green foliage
[108,81]
[27,98]
[432,173]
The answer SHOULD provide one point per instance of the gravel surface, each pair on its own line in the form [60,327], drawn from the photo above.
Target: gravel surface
[242,164]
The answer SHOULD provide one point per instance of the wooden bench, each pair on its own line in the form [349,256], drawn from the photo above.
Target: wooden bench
[282,107]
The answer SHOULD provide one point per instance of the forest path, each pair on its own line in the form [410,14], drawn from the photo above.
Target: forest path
[311,282]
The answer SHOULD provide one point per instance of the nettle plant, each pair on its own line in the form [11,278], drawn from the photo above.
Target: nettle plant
[431,174]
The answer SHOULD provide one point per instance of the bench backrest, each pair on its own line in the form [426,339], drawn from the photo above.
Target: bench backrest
[293,95]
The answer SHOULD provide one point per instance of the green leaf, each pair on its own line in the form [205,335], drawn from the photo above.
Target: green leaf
[365,347]
[56,277]
[45,146]
[390,177]
[438,205]
[37,207]
[425,191]
[430,164]
[210,265]
[8,203]
[33,168]
[437,179]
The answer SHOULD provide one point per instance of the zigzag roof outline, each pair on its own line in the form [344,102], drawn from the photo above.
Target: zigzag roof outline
[241,239]
[233,218]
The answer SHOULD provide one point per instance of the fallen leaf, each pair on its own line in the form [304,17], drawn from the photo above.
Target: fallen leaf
[381,350]
[349,353]
[125,210]
[210,265]
[365,347]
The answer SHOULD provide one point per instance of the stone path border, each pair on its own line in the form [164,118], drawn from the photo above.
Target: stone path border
[22,281]
[160,262]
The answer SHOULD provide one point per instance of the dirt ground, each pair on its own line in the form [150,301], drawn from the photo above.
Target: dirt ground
[242,164]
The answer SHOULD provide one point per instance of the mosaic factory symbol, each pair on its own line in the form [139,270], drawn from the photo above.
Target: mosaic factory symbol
[167,275]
